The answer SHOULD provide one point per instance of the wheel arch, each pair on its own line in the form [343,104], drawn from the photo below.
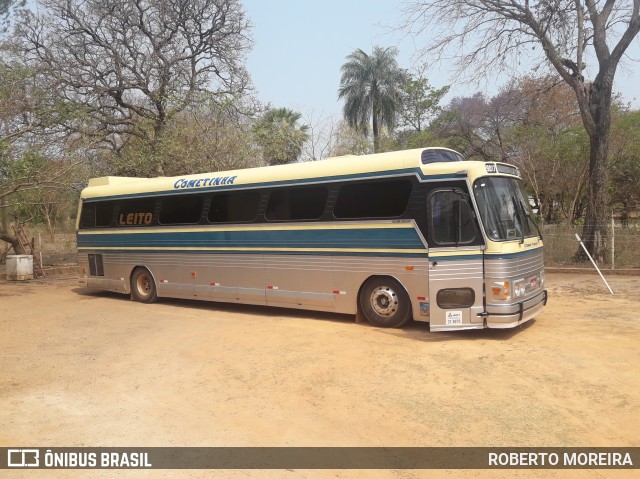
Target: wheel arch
[133,270]
[359,313]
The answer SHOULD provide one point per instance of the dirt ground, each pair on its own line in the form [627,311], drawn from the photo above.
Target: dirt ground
[87,368]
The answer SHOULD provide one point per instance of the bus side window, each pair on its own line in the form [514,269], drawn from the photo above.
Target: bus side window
[293,204]
[373,199]
[88,216]
[96,215]
[184,209]
[451,218]
[235,207]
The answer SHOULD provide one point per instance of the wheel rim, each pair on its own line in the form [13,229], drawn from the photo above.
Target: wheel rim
[384,301]
[143,285]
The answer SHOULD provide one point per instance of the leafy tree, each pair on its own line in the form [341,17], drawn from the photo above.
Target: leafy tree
[624,165]
[279,136]
[205,137]
[136,64]
[349,141]
[49,206]
[371,86]
[420,103]
[533,123]
[495,35]
[35,152]
[550,147]
[553,163]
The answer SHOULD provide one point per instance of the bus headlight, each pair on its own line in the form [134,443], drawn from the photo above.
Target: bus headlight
[518,288]
[501,290]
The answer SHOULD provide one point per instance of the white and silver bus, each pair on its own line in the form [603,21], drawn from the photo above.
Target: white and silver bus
[417,234]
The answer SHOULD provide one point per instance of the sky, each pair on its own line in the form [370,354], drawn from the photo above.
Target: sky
[301,44]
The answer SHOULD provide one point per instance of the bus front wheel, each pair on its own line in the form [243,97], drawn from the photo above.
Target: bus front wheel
[143,287]
[385,303]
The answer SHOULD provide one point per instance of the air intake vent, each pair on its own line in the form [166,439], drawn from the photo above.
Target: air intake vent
[96,268]
[439,156]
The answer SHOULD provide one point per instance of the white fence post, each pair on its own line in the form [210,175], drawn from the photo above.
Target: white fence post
[613,243]
[594,263]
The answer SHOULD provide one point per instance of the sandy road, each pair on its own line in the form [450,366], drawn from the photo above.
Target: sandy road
[82,368]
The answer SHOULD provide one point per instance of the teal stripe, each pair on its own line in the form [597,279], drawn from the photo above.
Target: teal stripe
[369,238]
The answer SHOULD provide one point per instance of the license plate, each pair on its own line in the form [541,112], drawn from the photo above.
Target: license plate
[453,318]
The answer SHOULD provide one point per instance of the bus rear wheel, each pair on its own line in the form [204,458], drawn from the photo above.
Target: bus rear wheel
[143,287]
[385,303]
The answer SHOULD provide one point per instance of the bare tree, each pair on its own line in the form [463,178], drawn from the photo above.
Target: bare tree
[486,36]
[7,7]
[480,124]
[134,64]
[322,132]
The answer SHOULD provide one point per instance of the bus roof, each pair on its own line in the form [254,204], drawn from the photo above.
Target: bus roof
[330,169]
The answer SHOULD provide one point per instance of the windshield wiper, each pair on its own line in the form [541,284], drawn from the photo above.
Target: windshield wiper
[527,216]
[534,223]
[518,210]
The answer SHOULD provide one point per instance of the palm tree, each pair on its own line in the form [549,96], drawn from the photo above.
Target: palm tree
[371,86]
[283,115]
[279,135]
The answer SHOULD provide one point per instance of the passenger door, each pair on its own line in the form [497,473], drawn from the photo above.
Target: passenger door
[455,261]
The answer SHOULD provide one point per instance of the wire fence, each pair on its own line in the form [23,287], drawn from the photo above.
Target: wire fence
[623,245]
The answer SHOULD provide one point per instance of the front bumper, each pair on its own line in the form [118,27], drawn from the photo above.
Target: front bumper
[504,316]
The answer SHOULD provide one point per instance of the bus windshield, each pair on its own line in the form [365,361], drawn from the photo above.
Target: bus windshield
[503,210]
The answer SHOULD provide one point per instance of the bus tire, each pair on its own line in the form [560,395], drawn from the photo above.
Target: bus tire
[384,302]
[143,287]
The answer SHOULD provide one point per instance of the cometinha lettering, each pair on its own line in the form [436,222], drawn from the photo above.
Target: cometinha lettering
[203,182]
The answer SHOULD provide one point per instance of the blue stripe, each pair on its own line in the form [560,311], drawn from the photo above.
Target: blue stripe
[370,238]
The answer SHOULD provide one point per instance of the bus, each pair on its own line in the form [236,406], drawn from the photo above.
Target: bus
[419,234]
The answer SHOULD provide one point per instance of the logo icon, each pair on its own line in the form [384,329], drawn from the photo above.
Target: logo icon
[23,457]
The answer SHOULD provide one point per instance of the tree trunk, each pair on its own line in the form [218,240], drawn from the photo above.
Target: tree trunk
[3,215]
[158,132]
[594,232]
[51,227]
[549,209]
[576,208]
[15,244]
[376,132]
